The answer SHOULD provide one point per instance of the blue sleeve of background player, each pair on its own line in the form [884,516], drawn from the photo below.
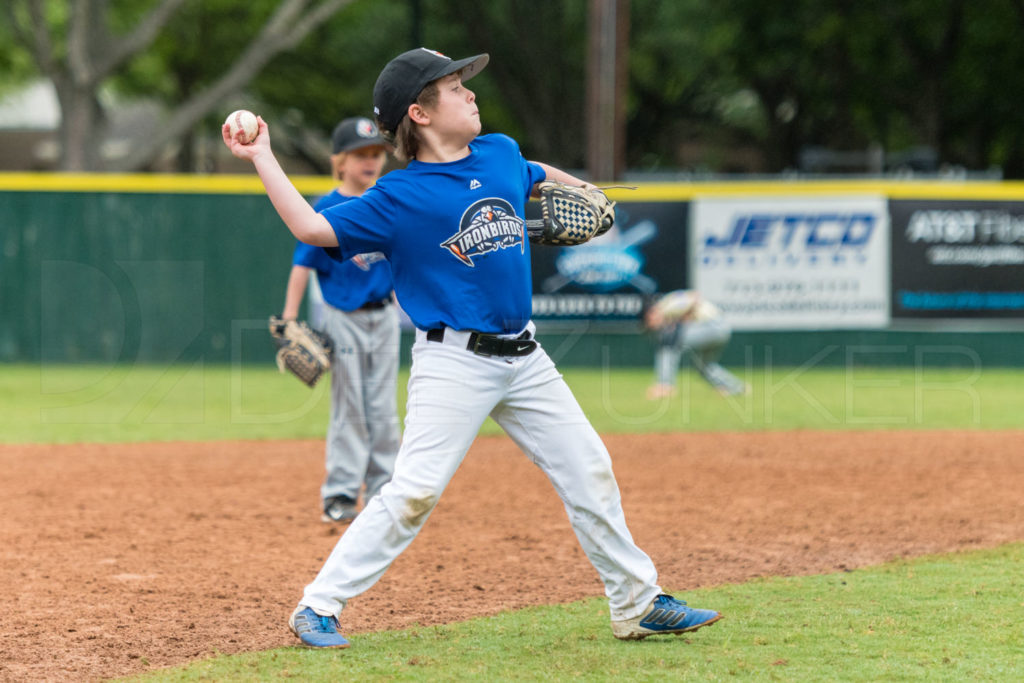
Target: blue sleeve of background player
[309,256]
[362,225]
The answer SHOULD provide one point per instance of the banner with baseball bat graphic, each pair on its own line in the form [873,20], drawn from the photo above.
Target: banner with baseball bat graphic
[608,278]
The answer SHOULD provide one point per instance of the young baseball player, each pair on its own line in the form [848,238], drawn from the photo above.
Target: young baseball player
[358,316]
[684,322]
[452,225]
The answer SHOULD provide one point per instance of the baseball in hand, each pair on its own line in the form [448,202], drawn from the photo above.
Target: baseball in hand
[245,121]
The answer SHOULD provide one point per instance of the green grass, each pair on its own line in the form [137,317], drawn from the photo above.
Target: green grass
[953,617]
[77,403]
[942,618]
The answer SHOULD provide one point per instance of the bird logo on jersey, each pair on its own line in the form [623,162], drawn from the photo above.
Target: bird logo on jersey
[488,225]
[364,261]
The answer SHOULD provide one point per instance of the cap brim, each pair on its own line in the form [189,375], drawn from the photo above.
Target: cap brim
[470,67]
[367,142]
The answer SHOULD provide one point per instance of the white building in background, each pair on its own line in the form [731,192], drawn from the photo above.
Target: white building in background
[28,128]
[34,107]
[30,118]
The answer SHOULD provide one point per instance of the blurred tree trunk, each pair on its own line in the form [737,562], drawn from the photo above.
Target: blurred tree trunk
[81,114]
[606,88]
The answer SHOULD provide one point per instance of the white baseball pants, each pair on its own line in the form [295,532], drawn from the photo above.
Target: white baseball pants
[451,393]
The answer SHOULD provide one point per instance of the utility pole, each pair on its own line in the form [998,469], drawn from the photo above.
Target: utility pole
[607,85]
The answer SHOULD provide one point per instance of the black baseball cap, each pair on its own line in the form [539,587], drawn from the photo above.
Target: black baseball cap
[354,133]
[405,76]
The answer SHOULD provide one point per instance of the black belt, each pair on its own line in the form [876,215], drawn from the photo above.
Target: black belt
[491,344]
[374,305]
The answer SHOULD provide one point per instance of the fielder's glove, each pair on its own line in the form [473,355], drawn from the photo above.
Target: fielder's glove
[571,215]
[302,351]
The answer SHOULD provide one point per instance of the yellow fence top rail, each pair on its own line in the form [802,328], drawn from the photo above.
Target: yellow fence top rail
[156,183]
[160,183]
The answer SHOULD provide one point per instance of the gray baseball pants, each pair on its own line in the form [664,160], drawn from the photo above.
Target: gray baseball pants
[363,435]
[704,341]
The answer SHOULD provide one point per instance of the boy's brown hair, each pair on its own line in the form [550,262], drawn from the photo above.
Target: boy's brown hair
[336,161]
[407,139]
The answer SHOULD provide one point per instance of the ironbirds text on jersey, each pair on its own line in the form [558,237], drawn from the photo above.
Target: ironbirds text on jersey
[477,258]
[488,225]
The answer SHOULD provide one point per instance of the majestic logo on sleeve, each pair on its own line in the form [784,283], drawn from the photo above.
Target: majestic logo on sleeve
[488,225]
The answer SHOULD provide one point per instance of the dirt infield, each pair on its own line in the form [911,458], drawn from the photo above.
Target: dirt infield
[120,558]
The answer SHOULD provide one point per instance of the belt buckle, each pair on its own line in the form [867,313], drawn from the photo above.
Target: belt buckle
[474,345]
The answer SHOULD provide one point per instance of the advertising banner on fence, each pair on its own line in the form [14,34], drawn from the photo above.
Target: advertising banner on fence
[793,263]
[608,278]
[957,259]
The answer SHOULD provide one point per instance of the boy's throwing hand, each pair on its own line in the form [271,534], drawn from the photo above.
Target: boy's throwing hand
[249,151]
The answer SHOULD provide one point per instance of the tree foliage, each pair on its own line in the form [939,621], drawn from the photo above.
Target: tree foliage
[715,85]
[845,75]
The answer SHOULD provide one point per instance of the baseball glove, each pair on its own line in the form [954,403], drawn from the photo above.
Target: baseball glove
[302,351]
[571,215]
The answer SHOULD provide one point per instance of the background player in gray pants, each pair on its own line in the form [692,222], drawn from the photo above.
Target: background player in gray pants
[360,318]
[684,322]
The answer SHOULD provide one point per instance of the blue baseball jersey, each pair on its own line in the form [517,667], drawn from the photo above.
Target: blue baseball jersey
[347,284]
[455,235]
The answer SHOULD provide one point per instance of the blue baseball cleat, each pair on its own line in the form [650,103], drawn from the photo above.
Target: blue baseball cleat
[315,630]
[665,615]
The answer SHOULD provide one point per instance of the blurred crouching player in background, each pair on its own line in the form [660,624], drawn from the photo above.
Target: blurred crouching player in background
[682,321]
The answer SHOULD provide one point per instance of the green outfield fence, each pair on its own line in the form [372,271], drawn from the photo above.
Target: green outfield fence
[165,268]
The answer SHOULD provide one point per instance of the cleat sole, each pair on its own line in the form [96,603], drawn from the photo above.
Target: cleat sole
[674,632]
